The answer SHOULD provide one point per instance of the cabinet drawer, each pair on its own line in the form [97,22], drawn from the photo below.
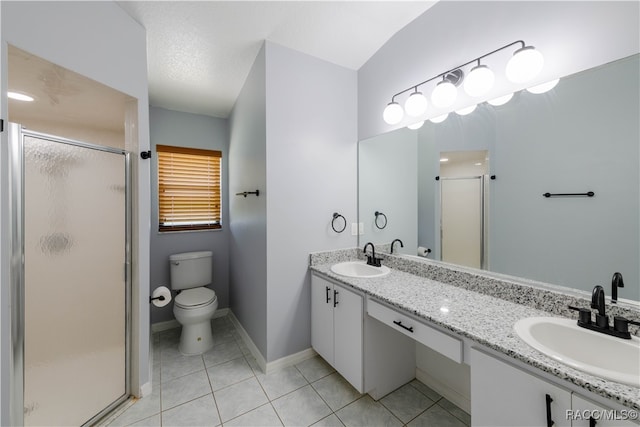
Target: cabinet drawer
[442,343]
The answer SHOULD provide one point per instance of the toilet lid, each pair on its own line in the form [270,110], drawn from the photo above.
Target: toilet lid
[196,297]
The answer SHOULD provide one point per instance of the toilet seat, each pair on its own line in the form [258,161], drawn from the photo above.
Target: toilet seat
[195,298]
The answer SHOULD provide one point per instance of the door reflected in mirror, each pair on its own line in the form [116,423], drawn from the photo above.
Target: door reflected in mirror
[463,207]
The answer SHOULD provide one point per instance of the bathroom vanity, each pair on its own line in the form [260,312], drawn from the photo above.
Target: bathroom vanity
[367,328]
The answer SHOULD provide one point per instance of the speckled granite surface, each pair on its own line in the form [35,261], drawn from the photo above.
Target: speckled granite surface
[480,308]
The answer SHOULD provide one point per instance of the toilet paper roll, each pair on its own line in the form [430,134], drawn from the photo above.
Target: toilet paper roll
[423,252]
[161,296]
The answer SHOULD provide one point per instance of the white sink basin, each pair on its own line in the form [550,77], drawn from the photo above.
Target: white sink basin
[359,269]
[601,355]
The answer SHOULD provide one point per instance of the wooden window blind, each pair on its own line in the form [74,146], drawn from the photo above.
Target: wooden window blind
[189,195]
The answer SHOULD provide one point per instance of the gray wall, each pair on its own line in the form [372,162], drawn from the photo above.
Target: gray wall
[573,36]
[51,31]
[194,131]
[248,226]
[311,173]
[290,140]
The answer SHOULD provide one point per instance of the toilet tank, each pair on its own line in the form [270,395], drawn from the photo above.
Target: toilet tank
[190,269]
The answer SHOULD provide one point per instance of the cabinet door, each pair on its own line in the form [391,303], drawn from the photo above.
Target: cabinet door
[503,395]
[322,318]
[347,327]
[582,410]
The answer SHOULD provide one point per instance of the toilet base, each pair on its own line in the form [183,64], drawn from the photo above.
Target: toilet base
[196,338]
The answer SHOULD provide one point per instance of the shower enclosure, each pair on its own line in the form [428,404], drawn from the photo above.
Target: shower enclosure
[70,279]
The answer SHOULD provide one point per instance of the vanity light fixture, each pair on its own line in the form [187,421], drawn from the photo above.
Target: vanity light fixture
[525,64]
[393,114]
[416,125]
[466,110]
[544,87]
[416,104]
[20,96]
[501,100]
[445,94]
[439,119]
[479,81]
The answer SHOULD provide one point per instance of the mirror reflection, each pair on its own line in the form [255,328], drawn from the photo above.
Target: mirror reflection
[581,136]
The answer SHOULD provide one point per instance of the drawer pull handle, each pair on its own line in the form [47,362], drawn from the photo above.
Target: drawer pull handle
[548,399]
[399,323]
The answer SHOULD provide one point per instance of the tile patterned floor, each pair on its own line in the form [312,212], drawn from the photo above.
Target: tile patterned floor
[226,387]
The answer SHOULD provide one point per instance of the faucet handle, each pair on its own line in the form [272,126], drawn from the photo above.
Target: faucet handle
[621,324]
[584,316]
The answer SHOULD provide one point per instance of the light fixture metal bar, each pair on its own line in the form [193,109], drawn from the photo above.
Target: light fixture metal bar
[455,68]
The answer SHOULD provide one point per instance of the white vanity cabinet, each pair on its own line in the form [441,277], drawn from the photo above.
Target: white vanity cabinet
[336,328]
[585,413]
[503,395]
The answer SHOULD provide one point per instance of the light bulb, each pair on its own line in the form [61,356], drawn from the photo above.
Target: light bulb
[439,119]
[444,94]
[525,64]
[501,100]
[416,125]
[416,104]
[466,110]
[479,81]
[393,113]
[544,87]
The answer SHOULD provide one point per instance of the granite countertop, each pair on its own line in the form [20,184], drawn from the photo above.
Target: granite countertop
[483,319]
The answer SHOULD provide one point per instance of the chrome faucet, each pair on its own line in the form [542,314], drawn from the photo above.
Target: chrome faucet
[399,241]
[616,282]
[371,259]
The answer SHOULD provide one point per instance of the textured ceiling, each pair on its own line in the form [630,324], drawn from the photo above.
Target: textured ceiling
[199,53]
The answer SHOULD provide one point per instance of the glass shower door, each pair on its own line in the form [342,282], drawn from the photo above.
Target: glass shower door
[75,290]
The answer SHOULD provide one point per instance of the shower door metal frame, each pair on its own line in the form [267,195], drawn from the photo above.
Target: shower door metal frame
[16,177]
[483,260]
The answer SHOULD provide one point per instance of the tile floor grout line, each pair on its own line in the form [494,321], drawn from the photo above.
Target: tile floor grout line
[213,394]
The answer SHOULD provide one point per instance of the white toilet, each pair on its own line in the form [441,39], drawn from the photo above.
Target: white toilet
[195,305]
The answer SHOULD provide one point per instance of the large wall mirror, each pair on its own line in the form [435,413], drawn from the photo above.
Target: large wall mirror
[582,136]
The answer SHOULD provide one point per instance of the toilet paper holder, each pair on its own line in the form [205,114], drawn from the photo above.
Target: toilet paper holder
[152,299]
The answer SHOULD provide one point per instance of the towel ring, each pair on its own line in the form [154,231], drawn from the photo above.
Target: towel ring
[378,215]
[336,215]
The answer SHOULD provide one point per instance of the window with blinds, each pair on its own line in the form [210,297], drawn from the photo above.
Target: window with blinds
[189,195]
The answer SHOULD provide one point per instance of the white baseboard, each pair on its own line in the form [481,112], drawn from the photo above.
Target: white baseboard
[173,323]
[283,362]
[291,359]
[262,363]
[164,326]
[444,390]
